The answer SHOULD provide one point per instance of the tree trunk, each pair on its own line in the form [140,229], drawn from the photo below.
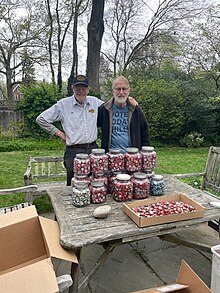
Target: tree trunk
[50,46]
[95,32]
[74,69]
[9,83]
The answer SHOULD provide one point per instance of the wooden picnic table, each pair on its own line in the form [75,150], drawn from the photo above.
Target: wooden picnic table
[79,228]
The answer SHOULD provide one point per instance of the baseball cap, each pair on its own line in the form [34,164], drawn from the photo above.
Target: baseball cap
[80,79]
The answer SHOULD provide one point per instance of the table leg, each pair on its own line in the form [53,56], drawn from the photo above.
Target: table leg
[109,247]
[75,272]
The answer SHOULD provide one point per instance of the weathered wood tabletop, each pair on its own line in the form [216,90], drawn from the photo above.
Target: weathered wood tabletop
[78,227]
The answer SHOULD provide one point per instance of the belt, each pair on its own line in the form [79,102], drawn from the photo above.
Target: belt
[82,145]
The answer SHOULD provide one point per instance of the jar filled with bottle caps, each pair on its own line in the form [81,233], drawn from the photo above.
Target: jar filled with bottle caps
[148,157]
[81,194]
[98,161]
[116,161]
[80,178]
[98,191]
[141,185]
[100,176]
[149,172]
[123,188]
[81,164]
[111,179]
[132,160]
[157,185]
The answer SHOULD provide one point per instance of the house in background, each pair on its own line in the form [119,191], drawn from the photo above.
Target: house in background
[17,95]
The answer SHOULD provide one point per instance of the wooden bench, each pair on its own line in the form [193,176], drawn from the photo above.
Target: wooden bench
[210,183]
[4,192]
[44,172]
[211,175]
[211,178]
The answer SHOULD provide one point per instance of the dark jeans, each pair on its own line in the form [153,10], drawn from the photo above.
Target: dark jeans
[70,154]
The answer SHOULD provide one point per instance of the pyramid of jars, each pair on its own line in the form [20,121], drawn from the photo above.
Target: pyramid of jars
[124,176]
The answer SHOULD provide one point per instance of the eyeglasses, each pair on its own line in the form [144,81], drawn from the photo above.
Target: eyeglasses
[80,88]
[119,89]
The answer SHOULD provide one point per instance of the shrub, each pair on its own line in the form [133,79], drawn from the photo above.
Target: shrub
[192,140]
[14,130]
[36,99]
[30,144]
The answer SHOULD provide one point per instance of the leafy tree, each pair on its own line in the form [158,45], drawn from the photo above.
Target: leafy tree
[161,102]
[175,103]
[18,33]
[28,70]
[36,98]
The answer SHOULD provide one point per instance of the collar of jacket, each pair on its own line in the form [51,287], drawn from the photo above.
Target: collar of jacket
[108,105]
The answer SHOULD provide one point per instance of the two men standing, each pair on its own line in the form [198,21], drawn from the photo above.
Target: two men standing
[121,120]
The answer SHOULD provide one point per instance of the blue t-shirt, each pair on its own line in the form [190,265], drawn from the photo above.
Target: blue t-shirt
[119,139]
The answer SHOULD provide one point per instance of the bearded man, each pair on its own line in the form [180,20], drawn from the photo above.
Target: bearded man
[123,124]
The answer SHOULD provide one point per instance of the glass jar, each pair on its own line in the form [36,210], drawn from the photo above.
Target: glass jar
[149,172]
[98,191]
[101,177]
[157,185]
[141,185]
[148,157]
[132,160]
[123,188]
[116,161]
[111,179]
[98,161]
[79,178]
[81,194]
[81,164]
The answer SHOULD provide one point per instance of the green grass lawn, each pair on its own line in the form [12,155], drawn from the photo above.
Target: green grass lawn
[171,160]
[12,168]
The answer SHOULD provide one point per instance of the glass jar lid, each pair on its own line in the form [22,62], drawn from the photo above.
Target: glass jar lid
[81,184]
[115,151]
[123,177]
[140,175]
[97,183]
[98,151]
[157,177]
[82,156]
[132,150]
[149,170]
[80,176]
[147,148]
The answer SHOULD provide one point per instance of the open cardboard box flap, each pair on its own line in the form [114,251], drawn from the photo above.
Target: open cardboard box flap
[187,282]
[51,232]
[27,244]
[35,278]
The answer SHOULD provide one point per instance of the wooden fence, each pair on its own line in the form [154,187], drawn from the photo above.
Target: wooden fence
[9,118]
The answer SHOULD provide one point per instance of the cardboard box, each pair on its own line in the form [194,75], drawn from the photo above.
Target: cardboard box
[27,244]
[187,282]
[145,222]
[215,276]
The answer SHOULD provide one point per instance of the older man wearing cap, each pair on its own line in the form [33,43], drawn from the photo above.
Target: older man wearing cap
[78,116]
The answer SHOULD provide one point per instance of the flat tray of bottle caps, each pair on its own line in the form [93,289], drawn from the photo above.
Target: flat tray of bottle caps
[163,209]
